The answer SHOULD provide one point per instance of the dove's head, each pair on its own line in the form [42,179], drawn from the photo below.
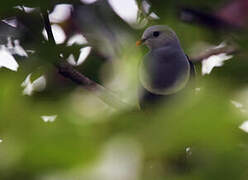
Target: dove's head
[158,36]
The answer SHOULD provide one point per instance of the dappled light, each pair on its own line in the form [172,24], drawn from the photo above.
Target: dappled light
[244,126]
[50,118]
[127,10]
[79,100]
[84,52]
[88,1]
[214,61]
[11,22]
[60,13]
[59,34]
[147,9]
[37,85]
[237,104]
[18,49]
[7,60]
[78,39]
[25,9]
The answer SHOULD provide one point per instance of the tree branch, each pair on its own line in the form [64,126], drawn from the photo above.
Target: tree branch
[66,70]
[214,51]
[48,27]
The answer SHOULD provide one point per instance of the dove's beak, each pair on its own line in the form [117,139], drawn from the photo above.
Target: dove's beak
[139,42]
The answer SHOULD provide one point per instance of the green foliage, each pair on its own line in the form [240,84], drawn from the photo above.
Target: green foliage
[82,135]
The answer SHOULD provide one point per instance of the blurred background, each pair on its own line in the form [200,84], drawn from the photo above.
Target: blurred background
[51,128]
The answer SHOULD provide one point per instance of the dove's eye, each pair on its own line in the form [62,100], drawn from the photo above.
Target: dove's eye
[155,33]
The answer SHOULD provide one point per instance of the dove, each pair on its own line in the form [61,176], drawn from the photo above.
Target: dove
[165,70]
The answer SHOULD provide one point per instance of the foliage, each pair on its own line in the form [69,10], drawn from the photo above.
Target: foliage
[91,140]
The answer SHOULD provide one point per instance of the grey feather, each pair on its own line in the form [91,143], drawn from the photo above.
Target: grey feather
[165,70]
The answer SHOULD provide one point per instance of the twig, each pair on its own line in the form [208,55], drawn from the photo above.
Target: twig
[66,70]
[214,51]
[48,27]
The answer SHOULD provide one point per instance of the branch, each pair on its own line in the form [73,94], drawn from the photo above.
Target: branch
[214,51]
[48,27]
[66,70]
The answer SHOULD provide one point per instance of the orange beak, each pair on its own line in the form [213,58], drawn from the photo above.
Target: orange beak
[139,42]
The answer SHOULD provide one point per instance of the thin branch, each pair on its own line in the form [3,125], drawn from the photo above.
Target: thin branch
[48,27]
[214,51]
[66,70]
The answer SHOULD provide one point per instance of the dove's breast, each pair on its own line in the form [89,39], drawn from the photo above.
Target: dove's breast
[165,71]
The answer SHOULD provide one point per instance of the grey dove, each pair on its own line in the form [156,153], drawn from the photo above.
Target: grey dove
[165,69]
